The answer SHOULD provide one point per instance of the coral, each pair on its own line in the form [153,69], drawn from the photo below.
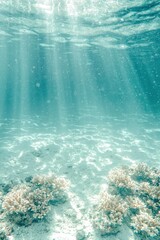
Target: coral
[136,190]
[1,199]
[1,196]
[145,189]
[52,184]
[121,183]
[150,195]
[16,200]
[145,225]
[17,205]
[3,233]
[109,214]
[5,229]
[135,204]
[142,172]
[158,216]
[30,202]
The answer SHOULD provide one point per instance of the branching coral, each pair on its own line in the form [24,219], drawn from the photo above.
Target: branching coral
[135,204]
[3,232]
[142,172]
[1,199]
[145,225]
[52,184]
[5,229]
[109,214]
[22,204]
[16,200]
[29,202]
[120,182]
[138,187]
[150,195]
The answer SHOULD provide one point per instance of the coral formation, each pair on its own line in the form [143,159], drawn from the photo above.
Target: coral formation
[150,195]
[51,184]
[30,201]
[1,198]
[135,204]
[5,229]
[145,225]
[133,198]
[109,214]
[137,190]
[25,203]
[142,172]
[3,232]
[121,183]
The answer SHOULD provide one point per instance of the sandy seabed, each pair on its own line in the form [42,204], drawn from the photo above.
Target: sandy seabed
[83,154]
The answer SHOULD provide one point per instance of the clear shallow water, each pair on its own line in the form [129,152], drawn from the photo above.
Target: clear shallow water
[112,23]
[79,92]
[62,57]
[66,80]
[98,145]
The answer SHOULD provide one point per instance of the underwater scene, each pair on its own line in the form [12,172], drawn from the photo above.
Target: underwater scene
[79,120]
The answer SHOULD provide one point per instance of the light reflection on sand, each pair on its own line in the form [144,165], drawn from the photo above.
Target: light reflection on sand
[82,153]
[92,146]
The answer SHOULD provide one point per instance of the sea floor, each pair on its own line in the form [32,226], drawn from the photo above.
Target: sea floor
[83,153]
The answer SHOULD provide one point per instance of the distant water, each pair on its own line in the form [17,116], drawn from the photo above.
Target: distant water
[66,64]
[59,58]
[71,63]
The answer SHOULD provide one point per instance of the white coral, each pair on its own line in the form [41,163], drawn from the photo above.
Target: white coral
[135,204]
[145,224]
[1,199]
[139,187]
[150,195]
[55,185]
[16,200]
[5,230]
[29,202]
[109,214]
[142,172]
[50,181]
[121,182]
[112,203]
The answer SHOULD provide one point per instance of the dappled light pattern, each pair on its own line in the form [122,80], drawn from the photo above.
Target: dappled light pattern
[79,95]
[84,22]
[83,152]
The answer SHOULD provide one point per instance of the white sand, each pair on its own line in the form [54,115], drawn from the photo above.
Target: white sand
[83,155]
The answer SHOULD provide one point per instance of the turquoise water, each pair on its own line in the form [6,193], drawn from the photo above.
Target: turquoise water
[60,58]
[79,91]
